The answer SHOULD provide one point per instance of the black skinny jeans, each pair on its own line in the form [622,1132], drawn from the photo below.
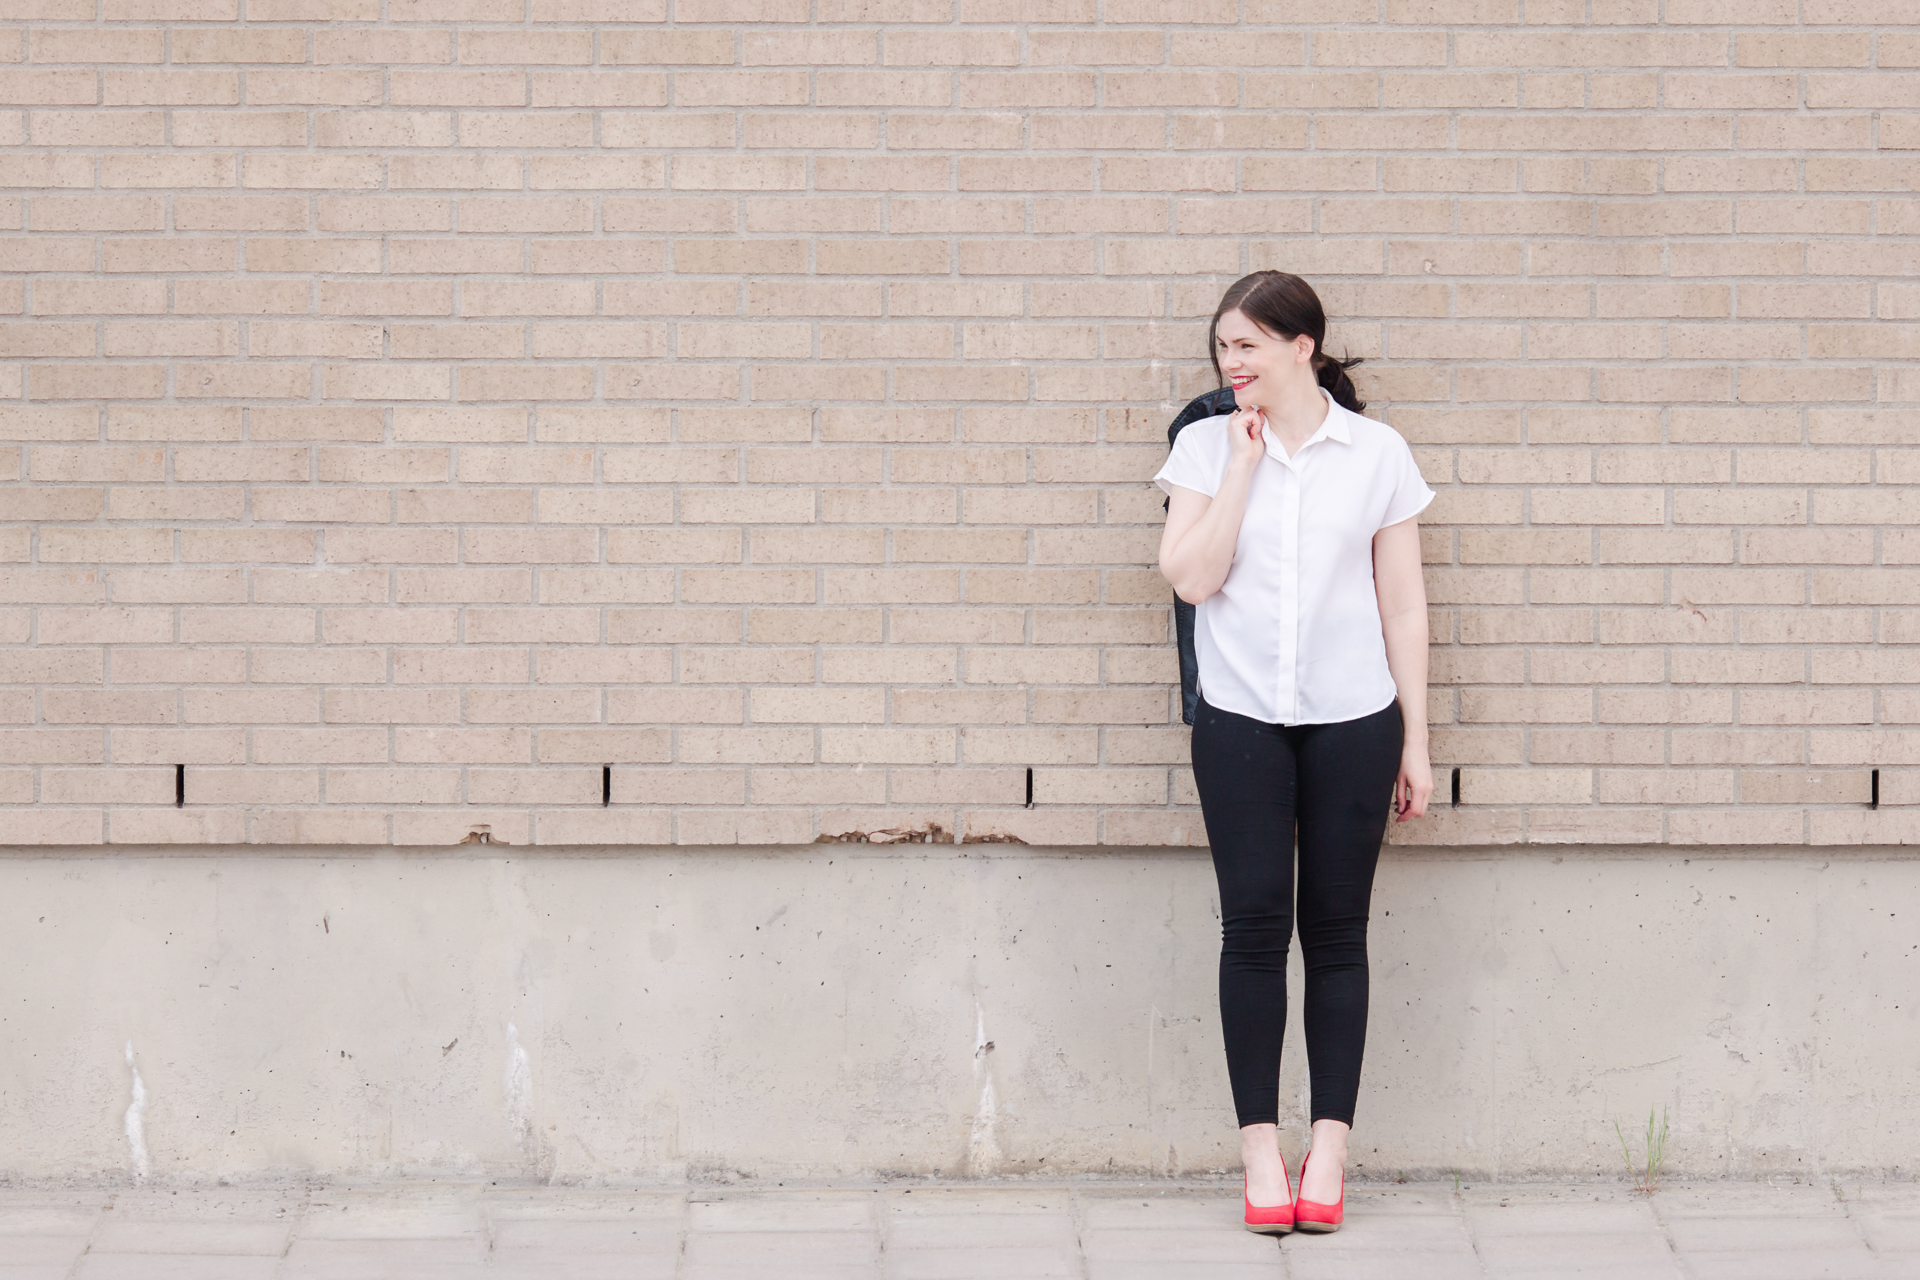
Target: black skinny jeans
[1258,782]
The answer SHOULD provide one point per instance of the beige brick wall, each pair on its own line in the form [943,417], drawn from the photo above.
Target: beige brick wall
[408,408]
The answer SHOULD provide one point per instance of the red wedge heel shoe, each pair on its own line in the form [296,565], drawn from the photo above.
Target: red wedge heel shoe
[1276,1220]
[1311,1215]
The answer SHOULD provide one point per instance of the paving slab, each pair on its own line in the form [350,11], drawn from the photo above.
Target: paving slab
[1325,1261]
[1777,1234]
[378,1268]
[782,1249]
[993,1263]
[785,1211]
[394,1214]
[587,1235]
[1411,1198]
[40,1251]
[1103,1269]
[123,1235]
[1559,1217]
[1573,1268]
[581,1266]
[425,1250]
[384,1259]
[35,1215]
[906,1202]
[1102,1209]
[1228,1242]
[983,1230]
[1106,1269]
[1752,1199]
[1586,1257]
[1799,1265]
[1888,1232]
[173,1266]
[1366,1231]
[781,1271]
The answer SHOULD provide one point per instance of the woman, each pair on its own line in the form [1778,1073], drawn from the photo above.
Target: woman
[1291,526]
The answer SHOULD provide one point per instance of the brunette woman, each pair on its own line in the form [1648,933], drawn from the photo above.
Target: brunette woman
[1291,527]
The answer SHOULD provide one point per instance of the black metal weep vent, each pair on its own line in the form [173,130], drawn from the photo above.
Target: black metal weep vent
[1456,786]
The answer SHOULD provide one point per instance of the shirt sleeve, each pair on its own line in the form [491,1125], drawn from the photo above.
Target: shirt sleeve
[1188,466]
[1410,493]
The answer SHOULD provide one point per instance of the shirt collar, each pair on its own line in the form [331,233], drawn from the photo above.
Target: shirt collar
[1333,427]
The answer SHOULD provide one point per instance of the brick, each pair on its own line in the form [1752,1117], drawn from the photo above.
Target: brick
[1525,786]
[176,585]
[52,746]
[1527,706]
[1730,12]
[1763,827]
[1761,666]
[1665,707]
[1666,546]
[1571,826]
[1667,787]
[1806,546]
[1885,826]
[1566,49]
[1737,747]
[1748,586]
[90,706]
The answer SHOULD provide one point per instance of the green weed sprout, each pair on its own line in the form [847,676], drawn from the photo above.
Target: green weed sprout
[1646,1176]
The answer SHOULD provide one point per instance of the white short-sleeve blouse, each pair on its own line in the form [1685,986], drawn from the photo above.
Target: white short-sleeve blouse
[1293,635]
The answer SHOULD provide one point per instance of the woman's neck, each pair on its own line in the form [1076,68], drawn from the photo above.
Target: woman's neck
[1294,421]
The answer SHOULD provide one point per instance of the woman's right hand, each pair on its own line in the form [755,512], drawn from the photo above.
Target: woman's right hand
[1246,428]
[1202,533]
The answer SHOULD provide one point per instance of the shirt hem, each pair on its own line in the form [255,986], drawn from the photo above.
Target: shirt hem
[1301,724]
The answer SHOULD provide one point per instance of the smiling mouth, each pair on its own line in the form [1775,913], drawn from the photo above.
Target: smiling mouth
[1241,382]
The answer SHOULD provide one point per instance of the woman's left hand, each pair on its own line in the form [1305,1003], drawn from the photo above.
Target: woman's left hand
[1414,787]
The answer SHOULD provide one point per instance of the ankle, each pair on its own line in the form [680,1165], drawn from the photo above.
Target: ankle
[1329,1140]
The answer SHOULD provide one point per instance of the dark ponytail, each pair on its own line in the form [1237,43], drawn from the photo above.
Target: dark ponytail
[1286,306]
[1333,376]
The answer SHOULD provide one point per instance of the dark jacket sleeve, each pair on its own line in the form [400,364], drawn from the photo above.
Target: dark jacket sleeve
[1212,404]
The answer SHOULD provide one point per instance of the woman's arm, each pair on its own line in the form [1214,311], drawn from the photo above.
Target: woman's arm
[1402,595]
[1197,545]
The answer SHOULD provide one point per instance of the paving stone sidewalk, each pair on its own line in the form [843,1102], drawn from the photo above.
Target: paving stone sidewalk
[1073,1230]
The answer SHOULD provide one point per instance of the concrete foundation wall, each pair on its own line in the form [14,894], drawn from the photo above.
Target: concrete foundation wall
[980,1010]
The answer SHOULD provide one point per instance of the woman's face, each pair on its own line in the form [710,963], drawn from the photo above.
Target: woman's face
[1263,369]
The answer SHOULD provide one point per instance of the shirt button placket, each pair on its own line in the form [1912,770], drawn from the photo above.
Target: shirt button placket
[1287,701]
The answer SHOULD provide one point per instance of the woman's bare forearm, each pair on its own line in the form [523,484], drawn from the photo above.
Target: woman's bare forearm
[1198,562]
[1406,636]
